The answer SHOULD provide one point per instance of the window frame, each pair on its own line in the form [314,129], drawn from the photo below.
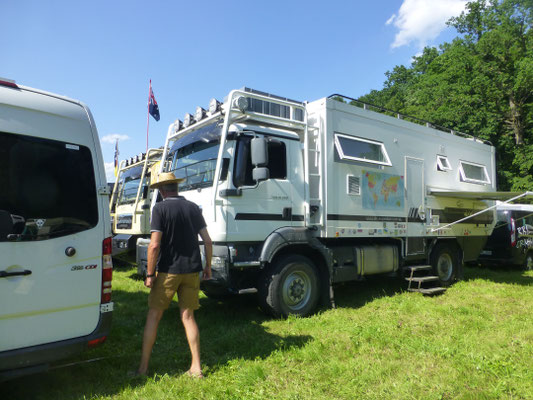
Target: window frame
[464,178]
[342,156]
[441,166]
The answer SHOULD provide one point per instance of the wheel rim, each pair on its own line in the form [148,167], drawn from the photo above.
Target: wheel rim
[445,267]
[296,290]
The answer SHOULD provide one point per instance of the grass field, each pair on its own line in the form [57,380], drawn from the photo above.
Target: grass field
[381,342]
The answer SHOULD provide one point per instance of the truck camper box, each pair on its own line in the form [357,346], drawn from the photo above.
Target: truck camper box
[55,235]
[299,196]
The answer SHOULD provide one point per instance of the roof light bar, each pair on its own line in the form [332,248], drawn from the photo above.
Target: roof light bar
[214,106]
[188,120]
[178,125]
[241,103]
[199,114]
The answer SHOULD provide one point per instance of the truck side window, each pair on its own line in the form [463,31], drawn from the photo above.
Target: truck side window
[277,162]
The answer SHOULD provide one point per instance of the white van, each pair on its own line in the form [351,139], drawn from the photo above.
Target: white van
[55,235]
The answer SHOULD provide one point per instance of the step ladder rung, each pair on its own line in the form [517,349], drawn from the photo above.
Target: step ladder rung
[422,278]
[429,291]
[418,267]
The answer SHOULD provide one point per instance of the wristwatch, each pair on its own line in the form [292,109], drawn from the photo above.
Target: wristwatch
[150,275]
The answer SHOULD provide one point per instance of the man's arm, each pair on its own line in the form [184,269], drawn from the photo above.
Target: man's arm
[208,246]
[153,252]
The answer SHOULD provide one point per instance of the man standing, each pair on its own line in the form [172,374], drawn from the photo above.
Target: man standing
[175,226]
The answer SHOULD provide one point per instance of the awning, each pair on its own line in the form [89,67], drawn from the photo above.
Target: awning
[506,197]
[509,196]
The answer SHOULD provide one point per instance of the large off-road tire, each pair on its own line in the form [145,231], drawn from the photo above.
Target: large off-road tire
[289,287]
[445,259]
[528,261]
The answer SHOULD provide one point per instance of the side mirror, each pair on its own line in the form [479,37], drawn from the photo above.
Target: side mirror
[259,148]
[260,174]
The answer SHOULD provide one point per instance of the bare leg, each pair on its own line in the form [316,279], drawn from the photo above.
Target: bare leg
[150,333]
[193,337]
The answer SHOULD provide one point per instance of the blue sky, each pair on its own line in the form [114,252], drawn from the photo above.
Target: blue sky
[105,52]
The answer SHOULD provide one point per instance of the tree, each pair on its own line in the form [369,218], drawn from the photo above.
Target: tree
[480,83]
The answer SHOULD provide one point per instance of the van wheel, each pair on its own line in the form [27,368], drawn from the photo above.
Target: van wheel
[290,287]
[445,261]
[528,262]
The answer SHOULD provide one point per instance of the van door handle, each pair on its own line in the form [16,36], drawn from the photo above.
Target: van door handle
[5,274]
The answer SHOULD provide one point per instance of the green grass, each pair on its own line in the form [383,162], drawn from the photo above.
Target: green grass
[381,342]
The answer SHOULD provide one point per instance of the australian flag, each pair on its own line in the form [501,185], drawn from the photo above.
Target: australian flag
[153,108]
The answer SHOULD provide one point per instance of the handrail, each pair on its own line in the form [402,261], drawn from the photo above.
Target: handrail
[419,121]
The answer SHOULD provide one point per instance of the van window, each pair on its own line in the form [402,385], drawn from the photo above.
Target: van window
[277,162]
[48,187]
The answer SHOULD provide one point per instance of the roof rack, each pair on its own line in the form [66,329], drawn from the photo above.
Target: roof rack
[383,110]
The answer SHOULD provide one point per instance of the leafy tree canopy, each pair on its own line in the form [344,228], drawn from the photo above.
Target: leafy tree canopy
[481,83]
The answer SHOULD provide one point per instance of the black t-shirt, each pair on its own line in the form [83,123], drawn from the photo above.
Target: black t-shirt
[179,220]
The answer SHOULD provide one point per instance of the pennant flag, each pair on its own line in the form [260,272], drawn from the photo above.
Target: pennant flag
[153,108]
[116,158]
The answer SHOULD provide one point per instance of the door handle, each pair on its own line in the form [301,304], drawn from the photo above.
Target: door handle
[5,274]
[287,213]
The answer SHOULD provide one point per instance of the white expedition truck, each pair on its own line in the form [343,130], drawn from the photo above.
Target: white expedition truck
[55,235]
[299,196]
[131,198]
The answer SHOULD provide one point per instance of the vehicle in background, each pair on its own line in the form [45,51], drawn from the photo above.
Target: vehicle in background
[130,200]
[511,242]
[55,231]
[299,196]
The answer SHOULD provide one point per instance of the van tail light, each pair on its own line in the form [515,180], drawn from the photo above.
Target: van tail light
[513,233]
[107,270]
[96,342]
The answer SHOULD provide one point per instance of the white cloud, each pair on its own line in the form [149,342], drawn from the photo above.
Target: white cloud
[421,21]
[113,138]
[110,171]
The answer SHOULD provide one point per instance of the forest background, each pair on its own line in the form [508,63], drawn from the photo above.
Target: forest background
[481,84]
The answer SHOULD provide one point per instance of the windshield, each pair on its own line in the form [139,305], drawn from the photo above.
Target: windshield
[194,157]
[129,185]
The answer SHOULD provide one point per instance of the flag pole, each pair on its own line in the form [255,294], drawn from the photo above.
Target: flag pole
[148,115]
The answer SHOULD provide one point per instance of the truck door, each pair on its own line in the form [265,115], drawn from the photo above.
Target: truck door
[414,181]
[261,208]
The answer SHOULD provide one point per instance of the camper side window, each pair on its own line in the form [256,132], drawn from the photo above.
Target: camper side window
[242,170]
[443,164]
[473,173]
[358,149]
[48,187]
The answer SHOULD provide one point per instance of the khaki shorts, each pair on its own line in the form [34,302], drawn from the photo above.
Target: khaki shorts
[166,285]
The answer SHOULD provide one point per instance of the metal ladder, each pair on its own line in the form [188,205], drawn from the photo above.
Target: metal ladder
[316,182]
[418,276]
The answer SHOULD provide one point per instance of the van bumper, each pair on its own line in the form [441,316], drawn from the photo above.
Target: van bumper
[34,359]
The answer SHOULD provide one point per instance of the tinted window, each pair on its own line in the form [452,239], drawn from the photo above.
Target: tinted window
[48,187]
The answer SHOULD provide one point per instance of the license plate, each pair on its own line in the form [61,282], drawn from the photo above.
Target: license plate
[486,253]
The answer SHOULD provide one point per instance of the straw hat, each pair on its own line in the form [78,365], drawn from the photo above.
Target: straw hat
[165,178]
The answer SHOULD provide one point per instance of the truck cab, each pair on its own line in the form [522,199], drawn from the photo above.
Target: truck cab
[131,198]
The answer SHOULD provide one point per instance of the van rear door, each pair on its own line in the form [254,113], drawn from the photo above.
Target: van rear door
[51,225]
